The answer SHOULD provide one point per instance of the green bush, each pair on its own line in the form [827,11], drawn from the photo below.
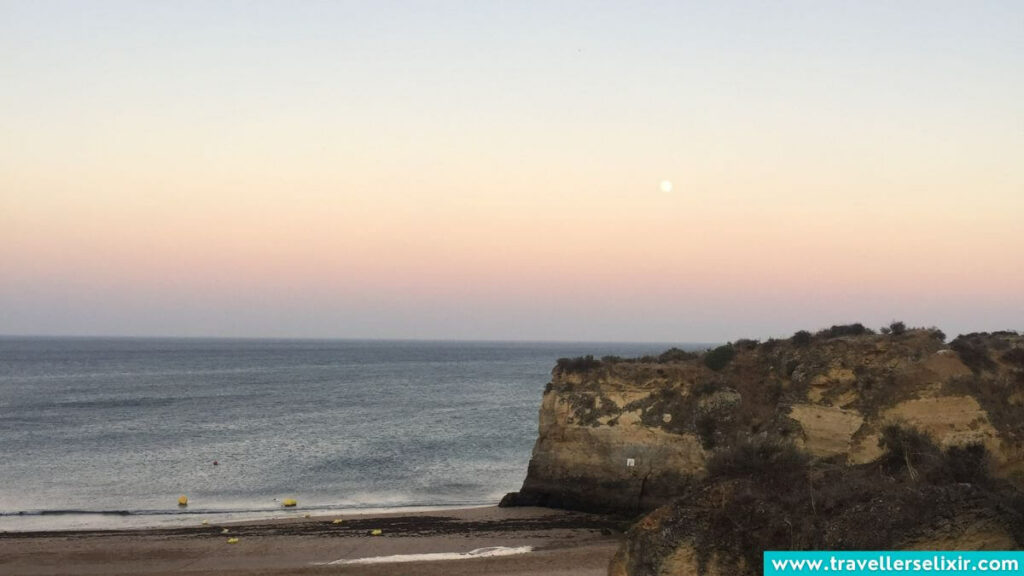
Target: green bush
[770,462]
[1014,357]
[801,338]
[577,365]
[676,355]
[912,453]
[907,450]
[719,357]
[968,463]
[838,330]
[745,344]
[973,352]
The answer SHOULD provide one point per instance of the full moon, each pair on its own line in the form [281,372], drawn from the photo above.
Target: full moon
[666,186]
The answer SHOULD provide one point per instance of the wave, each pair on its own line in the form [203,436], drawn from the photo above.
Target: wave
[78,512]
[250,510]
[435,556]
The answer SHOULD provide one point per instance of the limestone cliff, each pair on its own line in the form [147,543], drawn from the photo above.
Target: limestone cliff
[627,436]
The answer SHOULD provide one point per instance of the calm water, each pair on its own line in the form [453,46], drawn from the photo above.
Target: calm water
[128,425]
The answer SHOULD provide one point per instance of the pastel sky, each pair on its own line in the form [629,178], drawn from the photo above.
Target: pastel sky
[463,170]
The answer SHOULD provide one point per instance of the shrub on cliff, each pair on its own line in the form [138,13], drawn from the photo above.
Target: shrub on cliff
[968,463]
[838,330]
[577,365]
[907,450]
[911,453]
[719,357]
[973,352]
[745,344]
[1014,357]
[801,338]
[773,462]
[676,355]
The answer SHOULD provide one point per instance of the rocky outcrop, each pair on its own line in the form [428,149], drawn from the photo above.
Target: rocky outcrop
[628,436]
[723,529]
[612,444]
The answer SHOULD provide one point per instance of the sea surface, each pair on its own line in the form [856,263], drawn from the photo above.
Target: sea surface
[109,432]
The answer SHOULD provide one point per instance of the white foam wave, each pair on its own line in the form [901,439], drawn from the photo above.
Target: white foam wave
[478,553]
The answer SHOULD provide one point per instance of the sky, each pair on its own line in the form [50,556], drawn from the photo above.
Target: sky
[493,170]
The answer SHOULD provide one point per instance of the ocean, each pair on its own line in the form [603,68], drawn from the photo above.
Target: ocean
[109,432]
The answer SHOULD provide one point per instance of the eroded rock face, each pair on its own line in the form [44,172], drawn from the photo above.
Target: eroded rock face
[609,444]
[630,435]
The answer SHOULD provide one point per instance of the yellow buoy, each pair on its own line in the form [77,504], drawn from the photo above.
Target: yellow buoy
[337,521]
[376,532]
[205,522]
[289,502]
[232,540]
[182,500]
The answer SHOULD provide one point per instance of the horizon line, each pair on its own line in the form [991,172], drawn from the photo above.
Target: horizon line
[344,339]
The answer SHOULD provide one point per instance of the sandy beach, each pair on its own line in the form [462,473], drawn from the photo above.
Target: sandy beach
[563,543]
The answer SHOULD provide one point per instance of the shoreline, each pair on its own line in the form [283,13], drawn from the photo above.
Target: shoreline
[560,543]
[48,521]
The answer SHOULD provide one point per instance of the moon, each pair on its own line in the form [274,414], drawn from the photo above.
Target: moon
[666,186]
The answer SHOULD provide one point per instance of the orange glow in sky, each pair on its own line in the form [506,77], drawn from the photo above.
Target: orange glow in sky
[500,172]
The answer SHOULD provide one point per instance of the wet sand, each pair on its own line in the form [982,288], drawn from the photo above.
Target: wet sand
[565,544]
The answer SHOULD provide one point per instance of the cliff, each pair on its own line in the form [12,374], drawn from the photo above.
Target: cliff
[842,440]
[628,436]
[845,439]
